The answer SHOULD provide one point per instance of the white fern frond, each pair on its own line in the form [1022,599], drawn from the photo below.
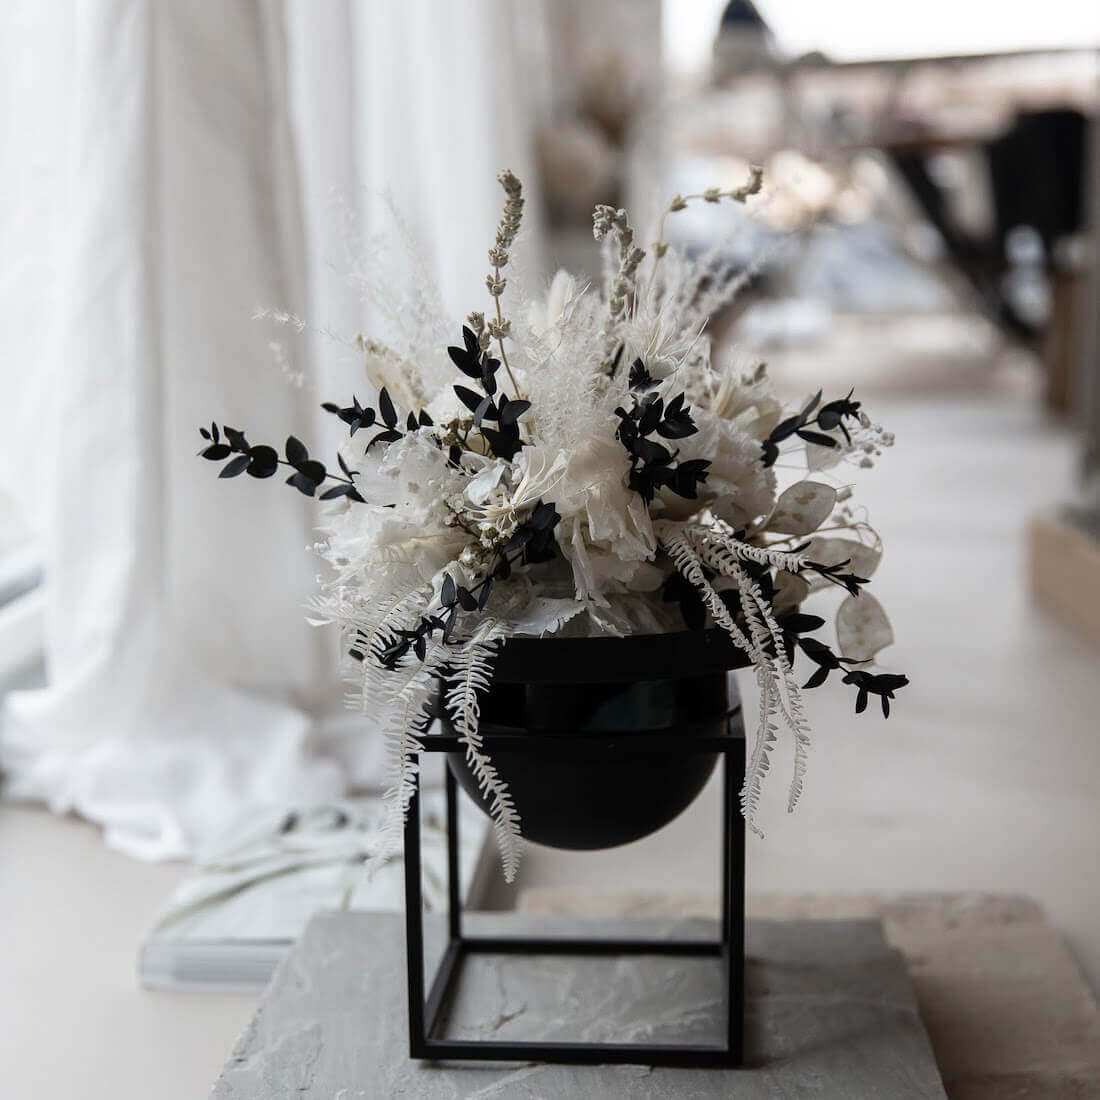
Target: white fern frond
[688,563]
[758,611]
[720,550]
[690,567]
[470,671]
[758,763]
[690,549]
[408,691]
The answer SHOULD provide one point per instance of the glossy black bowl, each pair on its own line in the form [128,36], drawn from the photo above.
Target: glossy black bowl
[565,689]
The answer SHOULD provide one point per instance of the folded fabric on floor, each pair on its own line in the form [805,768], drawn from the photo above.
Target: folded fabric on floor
[228,923]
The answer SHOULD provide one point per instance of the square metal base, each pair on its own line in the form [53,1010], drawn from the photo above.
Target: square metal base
[425,1011]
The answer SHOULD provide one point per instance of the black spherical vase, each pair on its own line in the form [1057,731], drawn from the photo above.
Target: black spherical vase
[561,690]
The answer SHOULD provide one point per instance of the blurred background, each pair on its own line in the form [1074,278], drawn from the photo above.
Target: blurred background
[202,204]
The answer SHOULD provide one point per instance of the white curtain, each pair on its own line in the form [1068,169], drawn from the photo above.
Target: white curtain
[157,162]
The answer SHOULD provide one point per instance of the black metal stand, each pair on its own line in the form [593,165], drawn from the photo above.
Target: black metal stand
[425,1010]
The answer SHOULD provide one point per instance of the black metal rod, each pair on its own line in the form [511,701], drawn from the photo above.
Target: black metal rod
[414,924]
[734,903]
[521,945]
[454,886]
[726,867]
[646,1054]
[441,985]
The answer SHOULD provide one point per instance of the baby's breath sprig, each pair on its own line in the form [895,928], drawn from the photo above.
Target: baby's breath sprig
[609,222]
[500,328]
[740,194]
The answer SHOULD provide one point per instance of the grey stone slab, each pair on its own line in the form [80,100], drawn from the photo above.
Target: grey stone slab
[1007,1009]
[830,1013]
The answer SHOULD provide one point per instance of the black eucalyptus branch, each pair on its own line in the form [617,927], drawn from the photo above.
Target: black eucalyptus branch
[263,461]
[883,684]
[356,416]
[829,417]
[652,464]
[476,363]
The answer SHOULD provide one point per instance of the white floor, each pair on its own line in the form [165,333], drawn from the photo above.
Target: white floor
[73,1023]
[985,778]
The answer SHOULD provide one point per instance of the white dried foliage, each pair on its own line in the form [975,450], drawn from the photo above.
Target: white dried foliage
[569,402]
[802,508]
[470,673]
[400,696]
[695,546]
[862,628]
[790,591]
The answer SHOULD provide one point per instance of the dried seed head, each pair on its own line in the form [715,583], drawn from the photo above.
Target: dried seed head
[511,184]
[509,220]
[755,183]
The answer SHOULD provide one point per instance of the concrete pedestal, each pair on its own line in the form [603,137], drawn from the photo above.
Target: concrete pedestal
[830,1012]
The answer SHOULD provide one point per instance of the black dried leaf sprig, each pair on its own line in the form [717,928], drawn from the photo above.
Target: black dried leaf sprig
[882,684]
[811,428]
[532,541]
[852,583]
[476,363]
[835,574]
[262,461]
[825,659]
[794,625]
[357,417]
[652,464]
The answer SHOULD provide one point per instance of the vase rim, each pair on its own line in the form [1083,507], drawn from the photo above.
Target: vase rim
[672,655]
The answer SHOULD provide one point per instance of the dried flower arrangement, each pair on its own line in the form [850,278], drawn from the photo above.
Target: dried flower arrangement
[594,472]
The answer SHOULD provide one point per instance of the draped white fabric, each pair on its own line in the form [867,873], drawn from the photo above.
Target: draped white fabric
[158,200]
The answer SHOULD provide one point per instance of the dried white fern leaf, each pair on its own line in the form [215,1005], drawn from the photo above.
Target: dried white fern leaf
[470,672]
[402,696]
[690,549]
[687,561]
[793,711]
